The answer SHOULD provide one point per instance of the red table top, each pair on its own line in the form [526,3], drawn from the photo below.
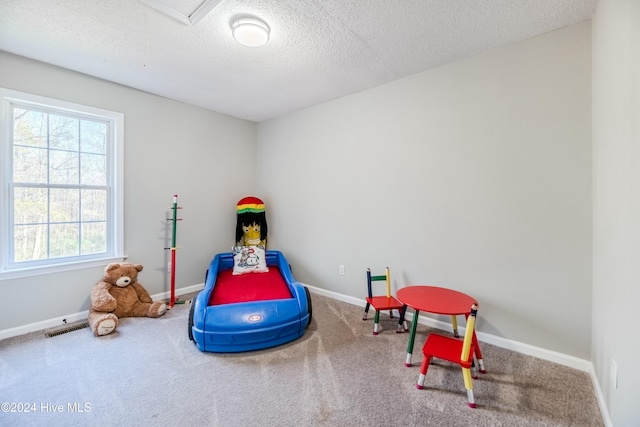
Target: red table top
[437,300]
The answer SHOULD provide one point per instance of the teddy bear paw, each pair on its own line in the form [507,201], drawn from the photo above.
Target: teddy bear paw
[157,309]
[105,326]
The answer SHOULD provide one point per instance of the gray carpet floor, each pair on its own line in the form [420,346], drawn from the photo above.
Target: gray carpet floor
[148,373]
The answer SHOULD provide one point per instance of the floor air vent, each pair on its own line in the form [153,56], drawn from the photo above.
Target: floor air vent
[66,329]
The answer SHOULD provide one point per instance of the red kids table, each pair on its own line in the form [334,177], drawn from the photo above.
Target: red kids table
[437,300]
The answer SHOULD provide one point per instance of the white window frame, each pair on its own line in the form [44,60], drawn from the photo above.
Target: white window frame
[115,203]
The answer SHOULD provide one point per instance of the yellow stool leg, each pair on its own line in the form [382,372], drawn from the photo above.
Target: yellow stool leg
[454,323]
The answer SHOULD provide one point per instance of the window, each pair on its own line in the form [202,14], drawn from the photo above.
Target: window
[61,185]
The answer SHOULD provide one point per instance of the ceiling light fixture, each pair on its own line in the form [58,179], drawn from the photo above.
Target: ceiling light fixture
[250,32]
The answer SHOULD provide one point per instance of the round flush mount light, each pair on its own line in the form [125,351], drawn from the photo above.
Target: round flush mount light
[250,32]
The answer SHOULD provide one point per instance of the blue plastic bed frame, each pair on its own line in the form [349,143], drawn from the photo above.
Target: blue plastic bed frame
[248,326]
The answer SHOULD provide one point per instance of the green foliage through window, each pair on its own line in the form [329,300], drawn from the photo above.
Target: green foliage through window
[60,177]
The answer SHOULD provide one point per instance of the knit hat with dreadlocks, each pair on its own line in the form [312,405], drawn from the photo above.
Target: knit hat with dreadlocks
[251,228]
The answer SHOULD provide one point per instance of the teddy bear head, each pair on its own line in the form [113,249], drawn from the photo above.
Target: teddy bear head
[121,274]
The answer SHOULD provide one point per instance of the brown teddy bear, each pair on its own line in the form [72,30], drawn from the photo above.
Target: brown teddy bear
[119,295]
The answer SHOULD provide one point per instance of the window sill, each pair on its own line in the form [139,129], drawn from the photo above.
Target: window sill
[60,268]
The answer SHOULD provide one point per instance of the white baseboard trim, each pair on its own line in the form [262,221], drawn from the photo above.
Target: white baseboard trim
[600,397]
[563,359]
[181,291]
[82,315]
[45,324]
[552,356]
[519,347]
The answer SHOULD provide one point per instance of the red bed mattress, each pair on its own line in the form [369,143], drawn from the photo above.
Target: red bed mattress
[248,287]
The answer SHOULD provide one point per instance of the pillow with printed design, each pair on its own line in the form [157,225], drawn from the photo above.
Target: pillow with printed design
[249,259]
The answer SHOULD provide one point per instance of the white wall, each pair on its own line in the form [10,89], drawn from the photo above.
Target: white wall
[170,148]
[616,148]
[475,175]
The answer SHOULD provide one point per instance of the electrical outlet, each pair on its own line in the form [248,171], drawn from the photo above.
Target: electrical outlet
[169,267]
[341,270]
[614,373]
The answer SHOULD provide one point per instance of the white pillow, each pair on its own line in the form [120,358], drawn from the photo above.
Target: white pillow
[249,259]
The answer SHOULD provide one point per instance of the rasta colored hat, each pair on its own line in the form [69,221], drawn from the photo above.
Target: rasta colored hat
[250,210]
[250,205]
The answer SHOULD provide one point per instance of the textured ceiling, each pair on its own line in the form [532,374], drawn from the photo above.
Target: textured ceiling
[318,50]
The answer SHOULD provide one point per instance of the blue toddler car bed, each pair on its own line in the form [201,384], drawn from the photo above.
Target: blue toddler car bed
[249,311]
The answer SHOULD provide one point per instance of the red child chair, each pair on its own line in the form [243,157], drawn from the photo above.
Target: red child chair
[384,302]
[453,350]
